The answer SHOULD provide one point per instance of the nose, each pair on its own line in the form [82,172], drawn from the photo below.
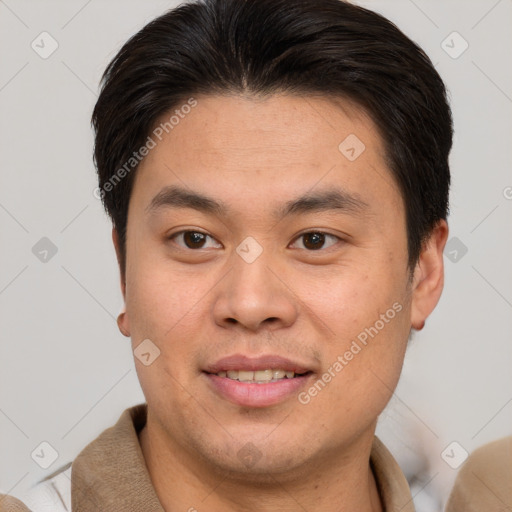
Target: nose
[255,296]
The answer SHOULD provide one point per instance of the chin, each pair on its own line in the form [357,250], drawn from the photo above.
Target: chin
[246,459]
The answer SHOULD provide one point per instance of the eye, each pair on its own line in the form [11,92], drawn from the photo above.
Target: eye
[192,239]
[315,240]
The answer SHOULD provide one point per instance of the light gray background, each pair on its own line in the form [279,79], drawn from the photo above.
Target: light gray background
[66,373]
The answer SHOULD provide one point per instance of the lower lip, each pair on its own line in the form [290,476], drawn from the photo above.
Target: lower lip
[257,395]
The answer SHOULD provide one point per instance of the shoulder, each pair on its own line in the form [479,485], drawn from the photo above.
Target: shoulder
[11,504]
[484,481]
[53,494]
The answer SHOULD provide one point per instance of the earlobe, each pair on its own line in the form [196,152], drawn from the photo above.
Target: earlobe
[428,279]
[123,324]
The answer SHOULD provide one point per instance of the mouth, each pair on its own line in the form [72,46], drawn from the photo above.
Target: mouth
[256,382]
[259,376]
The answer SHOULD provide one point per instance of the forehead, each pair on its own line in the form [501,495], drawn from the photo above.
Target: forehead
[246,149]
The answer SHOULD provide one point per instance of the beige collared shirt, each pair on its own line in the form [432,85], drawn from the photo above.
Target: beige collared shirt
[110,475]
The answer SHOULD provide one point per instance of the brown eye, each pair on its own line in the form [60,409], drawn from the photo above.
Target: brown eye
[192,239]
[315,240]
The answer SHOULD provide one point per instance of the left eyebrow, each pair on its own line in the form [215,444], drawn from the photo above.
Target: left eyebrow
[324,200]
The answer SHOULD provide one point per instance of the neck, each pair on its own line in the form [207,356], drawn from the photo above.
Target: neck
[343,483]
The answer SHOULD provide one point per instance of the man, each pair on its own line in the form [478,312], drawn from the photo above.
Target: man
[277,176]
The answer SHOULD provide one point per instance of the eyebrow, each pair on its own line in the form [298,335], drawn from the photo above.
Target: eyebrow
[324,200]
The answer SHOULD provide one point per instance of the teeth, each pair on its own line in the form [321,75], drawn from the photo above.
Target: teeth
[244,376]
[278,374]
[258,376]
[263,375]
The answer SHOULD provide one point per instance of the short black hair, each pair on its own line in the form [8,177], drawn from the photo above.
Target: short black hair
[318,47]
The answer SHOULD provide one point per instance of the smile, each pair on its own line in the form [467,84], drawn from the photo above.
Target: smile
[258,376]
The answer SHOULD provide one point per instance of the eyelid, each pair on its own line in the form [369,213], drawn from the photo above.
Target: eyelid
[187,230]
[320,231]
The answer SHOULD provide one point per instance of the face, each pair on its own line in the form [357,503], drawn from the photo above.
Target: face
[267,265]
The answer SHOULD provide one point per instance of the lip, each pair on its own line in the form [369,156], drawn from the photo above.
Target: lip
[263,362]
[252,394]
[256,395]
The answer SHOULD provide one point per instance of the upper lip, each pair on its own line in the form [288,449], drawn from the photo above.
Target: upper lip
[269,361]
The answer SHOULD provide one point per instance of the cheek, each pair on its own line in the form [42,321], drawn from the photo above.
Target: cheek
[166,306]
[361,370]
[366,314]
[350,298]
[159,299]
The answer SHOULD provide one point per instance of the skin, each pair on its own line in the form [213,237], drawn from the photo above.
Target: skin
[197,305]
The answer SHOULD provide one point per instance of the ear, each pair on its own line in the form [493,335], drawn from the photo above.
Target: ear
[122,320]
[120,260]
[428,277]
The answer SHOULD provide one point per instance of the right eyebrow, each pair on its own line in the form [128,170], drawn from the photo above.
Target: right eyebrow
[178,197]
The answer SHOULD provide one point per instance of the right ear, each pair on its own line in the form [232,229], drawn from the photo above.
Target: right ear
[120,261]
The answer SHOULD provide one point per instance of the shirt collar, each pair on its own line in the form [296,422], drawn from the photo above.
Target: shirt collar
[110,473]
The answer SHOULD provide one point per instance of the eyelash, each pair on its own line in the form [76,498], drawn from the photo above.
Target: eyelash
[318,232]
